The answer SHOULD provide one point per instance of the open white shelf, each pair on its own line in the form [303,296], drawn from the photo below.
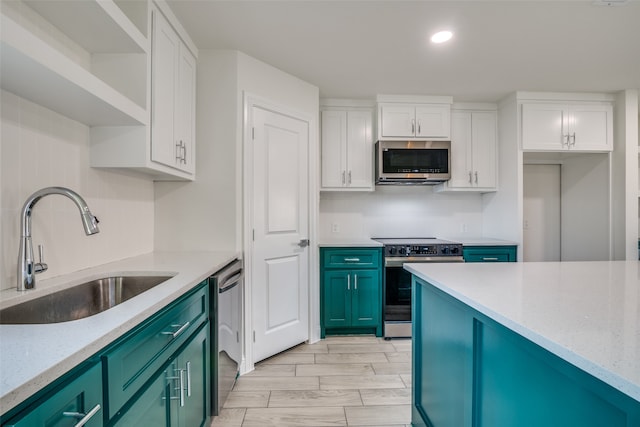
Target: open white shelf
[99,26]
[32,69]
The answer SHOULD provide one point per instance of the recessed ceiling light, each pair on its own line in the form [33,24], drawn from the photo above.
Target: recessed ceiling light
[441,36]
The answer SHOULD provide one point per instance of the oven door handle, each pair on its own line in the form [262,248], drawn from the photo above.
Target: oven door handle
[400,261]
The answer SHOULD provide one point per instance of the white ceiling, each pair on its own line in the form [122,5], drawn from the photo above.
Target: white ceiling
[357,49]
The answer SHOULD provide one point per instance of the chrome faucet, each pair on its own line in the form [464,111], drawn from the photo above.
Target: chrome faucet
[27,267]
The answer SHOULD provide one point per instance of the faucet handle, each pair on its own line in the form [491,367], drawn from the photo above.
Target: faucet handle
[40,266]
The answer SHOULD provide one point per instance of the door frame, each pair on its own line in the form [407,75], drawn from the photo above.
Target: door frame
[249,102]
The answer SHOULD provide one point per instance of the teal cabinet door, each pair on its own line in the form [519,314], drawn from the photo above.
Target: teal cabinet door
[365,298]
[337,301]
[152,408]
[194,361]
[81,399]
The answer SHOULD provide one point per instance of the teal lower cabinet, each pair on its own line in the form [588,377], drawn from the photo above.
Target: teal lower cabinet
[67,404]
[156,375]
[469,370]
[351,299]
[489,253]
[178,395]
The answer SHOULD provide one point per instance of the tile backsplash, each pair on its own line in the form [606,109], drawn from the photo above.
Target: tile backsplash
[41,148]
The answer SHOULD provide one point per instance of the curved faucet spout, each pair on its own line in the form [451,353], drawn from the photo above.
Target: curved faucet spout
[27,268]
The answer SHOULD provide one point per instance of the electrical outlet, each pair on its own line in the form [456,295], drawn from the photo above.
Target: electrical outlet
[335,228]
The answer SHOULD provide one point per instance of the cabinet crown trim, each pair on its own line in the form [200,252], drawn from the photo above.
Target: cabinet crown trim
[414,99]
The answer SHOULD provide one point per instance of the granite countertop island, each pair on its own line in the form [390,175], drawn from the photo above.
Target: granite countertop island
[585,313]
[33,356]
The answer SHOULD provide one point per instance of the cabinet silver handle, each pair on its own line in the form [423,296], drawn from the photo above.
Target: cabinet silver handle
[184,153]
[180,330]
[189,379]
[470,177]
[352,260]
[489,258]
[349,180]
[419,128]
[348,282]
[413,126]
[343,179]
[355,282]
[84,418]
[574,139]
[476,177]
[181,387]
[178,151]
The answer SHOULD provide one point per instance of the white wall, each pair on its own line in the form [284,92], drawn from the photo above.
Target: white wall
[400,211]
[40,148]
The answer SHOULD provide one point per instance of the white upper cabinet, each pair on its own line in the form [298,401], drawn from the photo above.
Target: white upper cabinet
[347,149]
[414,121]
[473,151]
[173,98]
[562,126]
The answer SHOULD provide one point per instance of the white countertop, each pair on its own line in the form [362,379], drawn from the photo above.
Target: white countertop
[587,313]
[32,356]
[483,241]
[345,242]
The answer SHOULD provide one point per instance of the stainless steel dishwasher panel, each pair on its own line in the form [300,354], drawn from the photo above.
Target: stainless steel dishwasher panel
[226,331]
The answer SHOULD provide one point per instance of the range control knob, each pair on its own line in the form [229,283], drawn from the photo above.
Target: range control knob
[402,251]
[445,250]
[455,250]
[392,250]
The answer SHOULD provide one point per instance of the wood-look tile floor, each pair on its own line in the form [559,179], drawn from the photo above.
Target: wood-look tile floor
[340,381]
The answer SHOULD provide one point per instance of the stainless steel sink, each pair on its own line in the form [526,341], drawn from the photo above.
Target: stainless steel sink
[78,302]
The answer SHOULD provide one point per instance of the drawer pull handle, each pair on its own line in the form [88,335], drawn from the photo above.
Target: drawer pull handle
[188,379]
[181,387]
[352,260]
[178,332]
[84,418]
[486,258]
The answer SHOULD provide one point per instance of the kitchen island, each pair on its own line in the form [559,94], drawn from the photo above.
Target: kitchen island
[526,344]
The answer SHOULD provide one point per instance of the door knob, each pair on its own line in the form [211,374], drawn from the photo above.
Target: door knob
[303,243]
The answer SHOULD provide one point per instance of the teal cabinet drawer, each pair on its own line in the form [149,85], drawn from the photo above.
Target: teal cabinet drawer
[489,253]
[351,257]
[134,361]
[80,398]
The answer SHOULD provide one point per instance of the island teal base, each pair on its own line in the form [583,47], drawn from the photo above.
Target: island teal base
[469,370]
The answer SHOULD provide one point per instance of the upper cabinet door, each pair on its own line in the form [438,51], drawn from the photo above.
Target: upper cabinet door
[186,112]
[461,160]
[359,150]
[398,121]
[433,121]
[543,126]
[484,137]
[165,52]
[590,127]
[334,142]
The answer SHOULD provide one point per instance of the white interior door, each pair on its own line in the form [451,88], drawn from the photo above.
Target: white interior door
[280,258]
[541,213]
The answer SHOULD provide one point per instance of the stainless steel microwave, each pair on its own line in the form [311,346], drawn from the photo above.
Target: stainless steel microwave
[413,162]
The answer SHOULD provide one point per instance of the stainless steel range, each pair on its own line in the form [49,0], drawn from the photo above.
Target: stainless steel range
[397,252]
